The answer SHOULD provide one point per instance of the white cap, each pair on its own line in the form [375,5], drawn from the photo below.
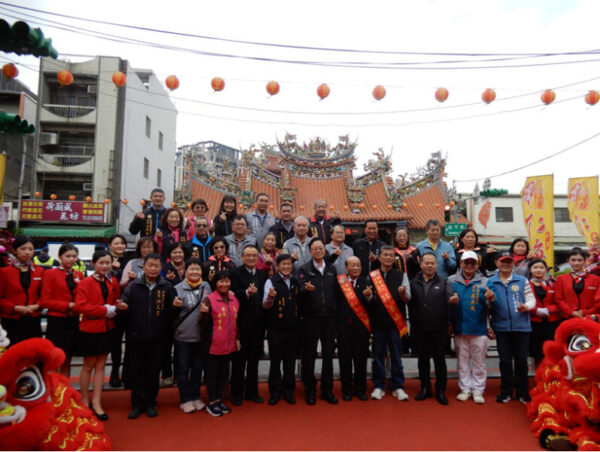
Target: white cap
[469,255]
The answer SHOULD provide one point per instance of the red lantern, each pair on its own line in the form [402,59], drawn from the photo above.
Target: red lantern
[437,205]
[323,91]
[10,71]
[106,201]
[189,205]
[331,207]
[72,197]
[375,207]
[441,94]
[452,203]
[592,97]
[65,78]
[420,205]
[389,206]
[548,96]
[272,87]
[88,199]
[301,207]
[271,207]
[488,95]
[346,207]
[125,201]
[53,196]
[173,204]
[119,79]
[404,205]
[217,83]
[379,92]
[142,202]
[172,82]
[37,194]
[361,205]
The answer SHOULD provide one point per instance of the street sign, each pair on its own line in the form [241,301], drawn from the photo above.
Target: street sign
[454,229]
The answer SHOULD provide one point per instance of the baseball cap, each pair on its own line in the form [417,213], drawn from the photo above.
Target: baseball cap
[505,255]
[469,255]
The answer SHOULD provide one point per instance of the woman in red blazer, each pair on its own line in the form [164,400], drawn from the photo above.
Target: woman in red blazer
[576,292]
[545,317]
[58,296]
[95,300]
[19,293]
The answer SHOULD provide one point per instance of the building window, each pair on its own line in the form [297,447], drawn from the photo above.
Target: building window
[504,215]
[561,215]
[158,177]
[148,126]
[160,141]
[146,168]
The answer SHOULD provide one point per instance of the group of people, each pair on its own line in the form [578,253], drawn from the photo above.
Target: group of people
[210,288]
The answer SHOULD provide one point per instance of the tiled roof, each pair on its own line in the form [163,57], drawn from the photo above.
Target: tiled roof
[257,186]
[425,205]
[210,195]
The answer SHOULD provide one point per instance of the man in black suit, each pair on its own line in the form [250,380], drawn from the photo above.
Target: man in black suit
[353,334]
[247,283]
[367,248]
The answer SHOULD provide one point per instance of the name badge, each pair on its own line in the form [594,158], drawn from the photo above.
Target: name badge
[37,278]
[514,288]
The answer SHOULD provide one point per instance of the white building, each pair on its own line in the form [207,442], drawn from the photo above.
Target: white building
[102,141]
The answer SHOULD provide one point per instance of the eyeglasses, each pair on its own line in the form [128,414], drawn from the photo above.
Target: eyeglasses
[200,225]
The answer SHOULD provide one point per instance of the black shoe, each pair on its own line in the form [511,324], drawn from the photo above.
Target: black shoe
[441,398]
[256,399]
[423,394]
[347,397]
[135,412]
[504,398]
[289,398]
[362,396]
[310,399]
[151,411]
[100,417]
[237,401]
[114,382]
[273,399]
[224,408]
[329,398]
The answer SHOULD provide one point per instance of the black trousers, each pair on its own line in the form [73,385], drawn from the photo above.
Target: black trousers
[145,358]
[317,329]
[166,370]
[353,349]
[217,372]
[117,348]
[432,344]
[513,346]
[282,349]
[244,363]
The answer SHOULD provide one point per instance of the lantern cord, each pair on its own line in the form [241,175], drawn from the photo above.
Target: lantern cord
[562,151]
[340,64]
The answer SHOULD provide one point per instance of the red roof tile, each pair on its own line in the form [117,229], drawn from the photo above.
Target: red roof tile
[425,205]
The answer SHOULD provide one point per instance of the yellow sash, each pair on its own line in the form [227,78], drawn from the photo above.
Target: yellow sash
[353,301]
[388,302]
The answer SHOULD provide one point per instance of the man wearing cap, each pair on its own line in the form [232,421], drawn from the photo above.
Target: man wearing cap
[510,322]
[469,296]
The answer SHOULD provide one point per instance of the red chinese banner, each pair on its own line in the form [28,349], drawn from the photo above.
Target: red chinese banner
[537,198]
[583,207]
[55,211]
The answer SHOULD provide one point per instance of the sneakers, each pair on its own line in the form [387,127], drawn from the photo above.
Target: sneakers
[214,409]
[224,408]
[504,398]
[524,399]
[377,394]
[463,396]
[187,407]
[478,398]
[198,404]
[400,394]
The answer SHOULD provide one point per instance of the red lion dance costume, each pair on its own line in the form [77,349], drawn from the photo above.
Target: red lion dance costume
[39,410]
[565,405]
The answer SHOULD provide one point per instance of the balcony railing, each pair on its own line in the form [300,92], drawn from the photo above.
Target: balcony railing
[69,111]
[69,155]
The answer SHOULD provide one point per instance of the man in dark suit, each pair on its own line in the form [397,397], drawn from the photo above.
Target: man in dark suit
[367,248]
[353,333]
[247,283]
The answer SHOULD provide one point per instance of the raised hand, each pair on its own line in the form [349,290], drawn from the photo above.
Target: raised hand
[252,289]
[177,302]
[489,295]
[308,286]
[368,292]
[454,299]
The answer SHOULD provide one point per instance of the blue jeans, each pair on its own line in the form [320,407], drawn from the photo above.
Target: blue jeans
[189,362]
[382,340]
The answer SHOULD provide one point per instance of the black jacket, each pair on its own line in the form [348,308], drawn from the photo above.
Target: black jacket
[147,225]
[251,313]
[151,313]
[323,231]
[429,311]
[362,249]
[380,318]
[321,302]
[284,312]
[281,233]
[346,315]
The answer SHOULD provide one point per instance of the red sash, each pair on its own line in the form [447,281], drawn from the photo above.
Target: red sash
[353,301]
[388,302]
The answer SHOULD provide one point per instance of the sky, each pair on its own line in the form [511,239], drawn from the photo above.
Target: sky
[414,47]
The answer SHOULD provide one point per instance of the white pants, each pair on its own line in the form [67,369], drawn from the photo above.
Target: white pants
[475,349]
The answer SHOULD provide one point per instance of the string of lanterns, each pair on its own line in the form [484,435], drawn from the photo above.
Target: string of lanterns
[65,78]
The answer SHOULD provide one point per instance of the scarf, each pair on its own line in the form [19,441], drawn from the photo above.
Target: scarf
[193,285]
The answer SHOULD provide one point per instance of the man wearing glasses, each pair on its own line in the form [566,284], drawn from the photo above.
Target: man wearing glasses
[199,247]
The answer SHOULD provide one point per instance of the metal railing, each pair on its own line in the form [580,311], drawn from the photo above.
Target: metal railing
[69,155]
[69,111]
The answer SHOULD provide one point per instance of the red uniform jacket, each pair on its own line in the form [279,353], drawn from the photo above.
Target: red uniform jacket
[90,303]
[56,295]
[548,302]
[567,299]
[12,293]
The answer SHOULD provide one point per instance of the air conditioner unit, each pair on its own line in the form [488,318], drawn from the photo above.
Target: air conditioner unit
[48,139]
[87,186]
[92,89]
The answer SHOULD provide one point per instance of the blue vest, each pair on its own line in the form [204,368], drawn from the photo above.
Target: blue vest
[469,316]
[505,317]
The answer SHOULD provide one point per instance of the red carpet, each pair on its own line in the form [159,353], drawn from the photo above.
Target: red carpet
[374,425]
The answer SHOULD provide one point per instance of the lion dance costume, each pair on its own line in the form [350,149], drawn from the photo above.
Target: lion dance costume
[565,405]
[39,410]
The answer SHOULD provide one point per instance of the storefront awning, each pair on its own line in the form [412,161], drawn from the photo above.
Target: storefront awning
[60,231]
